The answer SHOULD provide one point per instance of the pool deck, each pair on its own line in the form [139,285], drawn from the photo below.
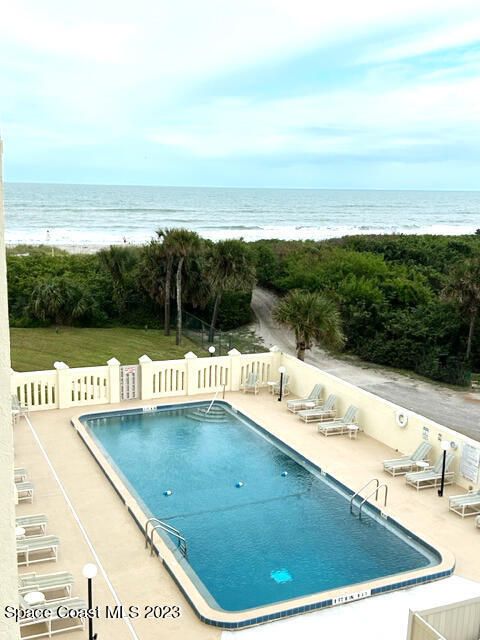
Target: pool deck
[100,524]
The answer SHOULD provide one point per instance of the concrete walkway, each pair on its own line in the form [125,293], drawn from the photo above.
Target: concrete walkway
[455,409]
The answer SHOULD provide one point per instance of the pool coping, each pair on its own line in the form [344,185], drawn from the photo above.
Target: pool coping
[266,613]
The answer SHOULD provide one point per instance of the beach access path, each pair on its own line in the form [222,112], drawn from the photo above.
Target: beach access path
[459,410]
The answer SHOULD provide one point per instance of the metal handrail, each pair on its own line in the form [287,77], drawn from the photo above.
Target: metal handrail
[371,494]
[362,488]
[159,524]
[211,403]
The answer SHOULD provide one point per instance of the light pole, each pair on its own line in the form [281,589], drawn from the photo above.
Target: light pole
[211,350]
[89,572]
[282,372]
[445,446]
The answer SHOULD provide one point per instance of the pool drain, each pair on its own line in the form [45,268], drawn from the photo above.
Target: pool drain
[281,576]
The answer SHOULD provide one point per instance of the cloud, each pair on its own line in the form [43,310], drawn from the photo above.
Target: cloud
[379,81]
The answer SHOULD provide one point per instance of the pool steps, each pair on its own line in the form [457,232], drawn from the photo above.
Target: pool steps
[216,414]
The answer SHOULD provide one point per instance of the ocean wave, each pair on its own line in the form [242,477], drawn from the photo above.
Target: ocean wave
[94,238]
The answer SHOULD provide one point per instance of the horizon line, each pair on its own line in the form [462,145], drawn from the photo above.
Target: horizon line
[266,188]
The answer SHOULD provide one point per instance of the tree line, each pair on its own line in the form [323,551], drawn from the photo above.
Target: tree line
[409,302]
[404,301]
[133,286]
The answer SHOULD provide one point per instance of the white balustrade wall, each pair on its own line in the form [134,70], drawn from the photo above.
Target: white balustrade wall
[85,386]
[162,378]
[210,374]
[37,389]
[65,387]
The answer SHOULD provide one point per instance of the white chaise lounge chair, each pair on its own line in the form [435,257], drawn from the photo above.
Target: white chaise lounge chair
[302,403]
[251,384]
[20,474]
[32,523]
[477,522]
[401,466]
[432,477]
[339,426]
[37,549]
[321,413]
[47,583]
[19,409]
[465,505]
[43,626]
[24,491]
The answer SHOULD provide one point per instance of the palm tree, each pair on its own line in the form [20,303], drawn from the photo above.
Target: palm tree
[47,300]
[164,235]
[313,317]
[231,267]
[181,244]
[119,262]
[463,287]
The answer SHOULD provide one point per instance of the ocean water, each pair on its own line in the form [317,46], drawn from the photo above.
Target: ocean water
[91,215]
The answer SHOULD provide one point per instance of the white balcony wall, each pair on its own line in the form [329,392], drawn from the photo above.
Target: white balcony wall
[456,621]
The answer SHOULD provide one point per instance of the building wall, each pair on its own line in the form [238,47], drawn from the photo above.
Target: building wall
[8,566]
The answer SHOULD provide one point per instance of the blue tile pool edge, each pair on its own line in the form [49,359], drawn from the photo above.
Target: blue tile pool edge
[298,610]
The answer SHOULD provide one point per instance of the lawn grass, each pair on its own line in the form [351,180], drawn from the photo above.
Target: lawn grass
[37,349]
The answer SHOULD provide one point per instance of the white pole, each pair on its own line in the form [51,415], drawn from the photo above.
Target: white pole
[8,558]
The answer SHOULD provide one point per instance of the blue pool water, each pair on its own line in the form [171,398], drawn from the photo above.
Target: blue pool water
[279,536]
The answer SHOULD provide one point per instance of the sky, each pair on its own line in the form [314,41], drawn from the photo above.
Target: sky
[263,93]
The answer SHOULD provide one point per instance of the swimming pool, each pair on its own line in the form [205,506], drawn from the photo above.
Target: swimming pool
[262,525]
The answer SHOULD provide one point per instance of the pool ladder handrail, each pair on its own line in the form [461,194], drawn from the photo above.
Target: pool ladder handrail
[362,488]
[156,523]
[211,403]
[382,486]
[374,492]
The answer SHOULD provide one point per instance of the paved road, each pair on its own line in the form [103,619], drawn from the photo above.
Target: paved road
[455,409]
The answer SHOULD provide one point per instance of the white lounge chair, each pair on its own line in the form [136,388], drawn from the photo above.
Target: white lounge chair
[24,491]
[46,583]
[465,505]
[29,523]
[36,549]
[19,409]
[53,623]
[432,477]
[251,384]
[321,413]
[401,466]
[477,522]
[302,403]
[285,389]
[339,426]
[20,474]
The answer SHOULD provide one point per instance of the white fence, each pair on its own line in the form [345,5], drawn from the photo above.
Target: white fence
[37,389]
[63,387]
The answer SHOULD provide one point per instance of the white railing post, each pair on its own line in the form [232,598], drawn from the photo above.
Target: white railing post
[64,391]
[113,380]
[276,360]
[235,369]
[191,386]
[146,377]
